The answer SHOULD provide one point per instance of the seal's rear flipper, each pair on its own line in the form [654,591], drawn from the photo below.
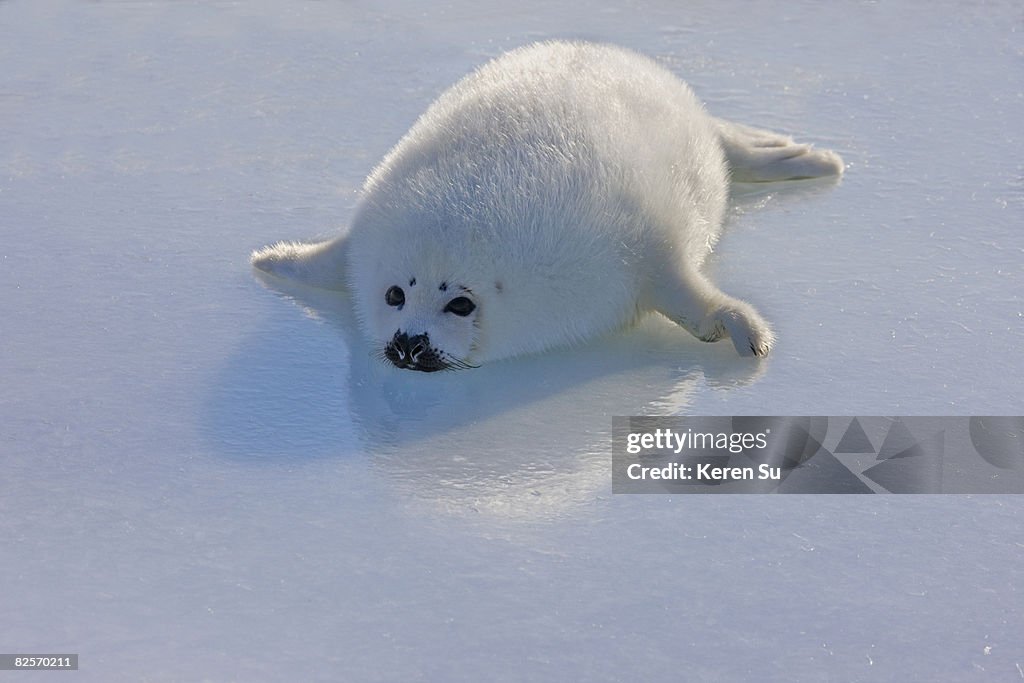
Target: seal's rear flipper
[319,265]
[756,155]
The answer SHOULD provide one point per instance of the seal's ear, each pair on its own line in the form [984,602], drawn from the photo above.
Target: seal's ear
[320,264]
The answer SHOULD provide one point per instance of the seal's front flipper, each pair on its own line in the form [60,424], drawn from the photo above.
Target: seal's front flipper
[738,320]
[757,155]
[320,264]
[693,302]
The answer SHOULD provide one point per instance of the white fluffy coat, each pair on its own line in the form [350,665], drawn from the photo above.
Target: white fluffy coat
[564,188]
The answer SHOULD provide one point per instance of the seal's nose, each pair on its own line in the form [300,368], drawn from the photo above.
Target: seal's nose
[408,349]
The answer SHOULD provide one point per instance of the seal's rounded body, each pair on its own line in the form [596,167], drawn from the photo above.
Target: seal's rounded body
[549,197]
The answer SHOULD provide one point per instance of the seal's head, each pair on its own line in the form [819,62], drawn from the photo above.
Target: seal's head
[434,323]
[428,282]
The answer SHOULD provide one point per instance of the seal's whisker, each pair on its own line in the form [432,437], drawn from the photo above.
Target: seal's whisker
[455,363]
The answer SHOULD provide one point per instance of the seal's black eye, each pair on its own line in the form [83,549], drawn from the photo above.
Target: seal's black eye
[460,306]
[394,296]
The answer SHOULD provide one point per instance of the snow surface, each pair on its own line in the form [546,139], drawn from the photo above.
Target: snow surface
[206,479]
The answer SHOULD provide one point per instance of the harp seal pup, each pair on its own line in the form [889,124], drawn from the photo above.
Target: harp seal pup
[555,194]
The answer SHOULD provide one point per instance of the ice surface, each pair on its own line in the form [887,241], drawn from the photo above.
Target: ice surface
[207,479]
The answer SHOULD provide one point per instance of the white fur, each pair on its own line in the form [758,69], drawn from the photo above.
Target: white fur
[564,188]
